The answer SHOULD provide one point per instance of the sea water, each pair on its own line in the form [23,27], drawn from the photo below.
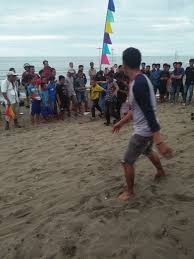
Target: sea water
[61,63]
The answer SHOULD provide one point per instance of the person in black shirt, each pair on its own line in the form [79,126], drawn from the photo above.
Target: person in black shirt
[164,77]
[143,68]
[147,71]
[122,91]
[63,97]
[189,84]
[120,70]
[100,76]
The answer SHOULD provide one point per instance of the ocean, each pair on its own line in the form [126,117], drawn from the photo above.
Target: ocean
[61,63]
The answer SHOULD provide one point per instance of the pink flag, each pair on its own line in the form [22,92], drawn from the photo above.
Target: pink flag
[104,60]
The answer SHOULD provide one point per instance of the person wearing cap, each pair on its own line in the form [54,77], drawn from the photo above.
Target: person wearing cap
[9,91]
[25,73]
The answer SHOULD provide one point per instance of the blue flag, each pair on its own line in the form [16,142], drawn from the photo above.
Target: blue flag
[106,49]
[111,5]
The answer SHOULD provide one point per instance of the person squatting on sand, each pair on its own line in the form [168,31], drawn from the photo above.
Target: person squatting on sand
[145,122]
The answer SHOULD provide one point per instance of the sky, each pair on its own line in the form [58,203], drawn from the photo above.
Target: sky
[75,27]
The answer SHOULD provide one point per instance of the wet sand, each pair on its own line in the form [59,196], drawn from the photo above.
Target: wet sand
[58,189]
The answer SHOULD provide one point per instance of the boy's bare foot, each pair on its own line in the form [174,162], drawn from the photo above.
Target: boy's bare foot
[125,196]
[160,174]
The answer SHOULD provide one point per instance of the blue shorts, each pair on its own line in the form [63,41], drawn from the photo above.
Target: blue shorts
[35,107]
[81,97]
[46,111]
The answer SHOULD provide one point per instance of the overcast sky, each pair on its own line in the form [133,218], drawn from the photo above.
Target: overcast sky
[75,27]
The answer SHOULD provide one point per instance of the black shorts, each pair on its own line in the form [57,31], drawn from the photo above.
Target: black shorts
[163,89]
[138,145]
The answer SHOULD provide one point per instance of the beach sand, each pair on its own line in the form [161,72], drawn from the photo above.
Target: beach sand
[59,184]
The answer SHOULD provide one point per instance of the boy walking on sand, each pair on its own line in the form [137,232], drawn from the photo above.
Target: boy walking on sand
[146,126]
[95,91]
[111,93]
[63,97]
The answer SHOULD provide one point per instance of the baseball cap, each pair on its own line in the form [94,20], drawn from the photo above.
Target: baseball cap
[11,73]
[26,65]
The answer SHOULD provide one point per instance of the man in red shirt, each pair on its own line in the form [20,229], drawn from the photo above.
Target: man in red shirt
[47,70]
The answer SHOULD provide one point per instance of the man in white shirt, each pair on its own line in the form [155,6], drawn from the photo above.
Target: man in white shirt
[92,71]
[71,91]
[71,70]
[9,91]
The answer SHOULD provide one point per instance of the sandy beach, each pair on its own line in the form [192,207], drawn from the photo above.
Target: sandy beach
[59,184]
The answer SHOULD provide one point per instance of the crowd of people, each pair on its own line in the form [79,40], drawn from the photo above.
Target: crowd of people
[52,97]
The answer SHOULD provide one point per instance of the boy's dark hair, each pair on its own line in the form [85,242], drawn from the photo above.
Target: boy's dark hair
[158,64]
[132,58]
[12,69]
[180,63]
[100,73]
[165,65]
[175,63]
[45,61]
[40,72]
[61,77]
[153,64]
[51,78]
[110,74]
[143,63]
[120,66]
[120,76]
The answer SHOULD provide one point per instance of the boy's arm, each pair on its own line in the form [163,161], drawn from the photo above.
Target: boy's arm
[122,122]
[58,98]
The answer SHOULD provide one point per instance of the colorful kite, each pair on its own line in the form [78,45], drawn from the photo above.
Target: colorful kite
[107,31]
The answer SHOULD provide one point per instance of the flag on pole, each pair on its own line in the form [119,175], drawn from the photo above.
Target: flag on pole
[107,38]
[110,16]
[111,5]
[9,112]
[108,28]
[107,31]
[105,60]
[105,49]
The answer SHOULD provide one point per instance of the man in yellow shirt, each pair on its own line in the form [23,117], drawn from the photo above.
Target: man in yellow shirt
[95,92]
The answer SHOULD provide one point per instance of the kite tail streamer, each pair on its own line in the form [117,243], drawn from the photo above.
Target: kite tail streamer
[107,31]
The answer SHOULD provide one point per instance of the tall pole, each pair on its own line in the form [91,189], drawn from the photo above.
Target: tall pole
[99,49]
[112,55]
[104,35]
